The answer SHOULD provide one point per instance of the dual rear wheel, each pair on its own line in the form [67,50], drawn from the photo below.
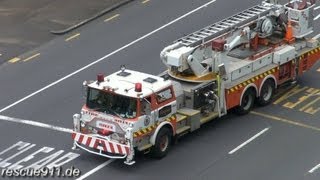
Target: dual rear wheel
[249,97]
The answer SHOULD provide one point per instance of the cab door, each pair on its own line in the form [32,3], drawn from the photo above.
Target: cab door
[166,104]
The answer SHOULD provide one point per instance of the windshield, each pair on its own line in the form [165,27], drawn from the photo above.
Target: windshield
[118,105]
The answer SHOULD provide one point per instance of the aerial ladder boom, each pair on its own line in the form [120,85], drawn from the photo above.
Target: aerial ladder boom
[197,56]
[217,29]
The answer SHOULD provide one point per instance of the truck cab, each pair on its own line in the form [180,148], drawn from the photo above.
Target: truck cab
[124,112]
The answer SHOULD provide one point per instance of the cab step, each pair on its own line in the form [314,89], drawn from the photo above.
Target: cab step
[183,130]
[181,117]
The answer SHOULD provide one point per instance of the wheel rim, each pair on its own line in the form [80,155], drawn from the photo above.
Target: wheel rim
[164,142]
[247,101]
[267,93]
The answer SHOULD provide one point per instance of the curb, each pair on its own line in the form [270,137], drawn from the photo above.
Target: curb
[107,10]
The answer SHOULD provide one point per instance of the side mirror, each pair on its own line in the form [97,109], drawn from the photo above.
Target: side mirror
[84,89]
[148,109]
[222,71]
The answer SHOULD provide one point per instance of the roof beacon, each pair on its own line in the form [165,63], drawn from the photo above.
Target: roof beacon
[100,77]
[138,87]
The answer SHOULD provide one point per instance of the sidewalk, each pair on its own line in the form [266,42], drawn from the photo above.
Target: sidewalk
[27,24]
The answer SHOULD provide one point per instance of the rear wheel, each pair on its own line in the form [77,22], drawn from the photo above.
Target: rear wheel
[247,102]
[267,91]
[162,144]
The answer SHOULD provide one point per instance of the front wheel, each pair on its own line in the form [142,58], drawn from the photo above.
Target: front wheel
[162,144]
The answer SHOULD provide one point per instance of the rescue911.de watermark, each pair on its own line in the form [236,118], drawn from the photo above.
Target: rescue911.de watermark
[42,172]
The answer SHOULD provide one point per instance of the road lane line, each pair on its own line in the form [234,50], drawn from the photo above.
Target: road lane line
[35,123]
[317,17]
[318,70]
[318,7]
[112,17]
[72,37]
[285,120]
[31,57]
[249,140]
[145,1]
[14,60]
[106,56]
[95,169]
[314,169]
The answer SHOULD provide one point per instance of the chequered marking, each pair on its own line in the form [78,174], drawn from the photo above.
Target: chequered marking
[311,52]
[100,144]
[151,128]
[271,71]
[252,80]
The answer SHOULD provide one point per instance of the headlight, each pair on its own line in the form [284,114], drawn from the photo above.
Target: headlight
[82,124]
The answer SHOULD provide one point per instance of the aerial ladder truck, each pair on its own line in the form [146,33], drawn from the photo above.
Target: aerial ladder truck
[229,65]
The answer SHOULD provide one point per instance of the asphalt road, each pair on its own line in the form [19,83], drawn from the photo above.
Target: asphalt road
[284,134]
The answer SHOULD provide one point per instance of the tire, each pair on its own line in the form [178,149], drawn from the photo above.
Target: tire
[266,94]
[162,144]
[247,102]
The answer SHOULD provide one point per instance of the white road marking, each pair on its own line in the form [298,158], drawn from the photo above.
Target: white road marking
[26,146]
[50,160]
[106,56]
[316,8]
[317,17]
[20,143]
[35,123]
[248,141]
[17,165]
[63,160]
[95,169]
[314,169]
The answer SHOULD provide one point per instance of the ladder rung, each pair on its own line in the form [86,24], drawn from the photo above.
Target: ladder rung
[208,34]
[248,14]
[193,38]
[200,35]
[244,17]
[261,8]
[253,12]
[228,24]
[211,31]
[238,19]
[185,44]
[187,41]
[222,26]
[231,21]
[216,28]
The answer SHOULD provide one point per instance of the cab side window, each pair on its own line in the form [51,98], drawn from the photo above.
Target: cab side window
[164,95]
[146,106]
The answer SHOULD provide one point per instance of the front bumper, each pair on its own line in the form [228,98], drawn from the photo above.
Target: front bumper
[99,145]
